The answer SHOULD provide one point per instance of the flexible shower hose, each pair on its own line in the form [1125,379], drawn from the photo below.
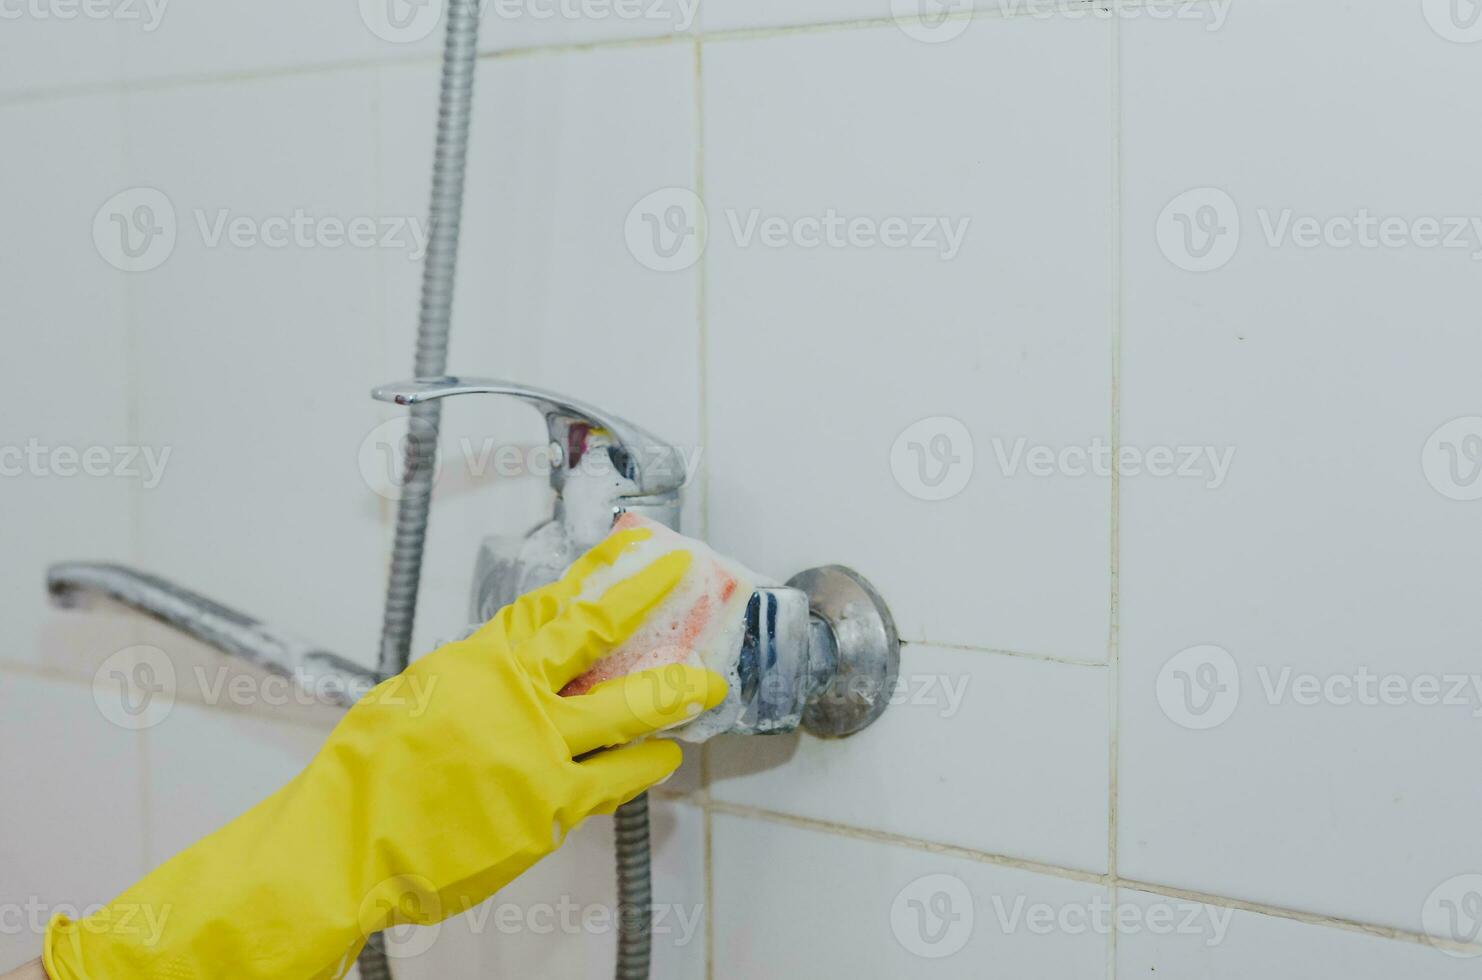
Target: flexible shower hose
[434,318]
[455,102]
[635,890]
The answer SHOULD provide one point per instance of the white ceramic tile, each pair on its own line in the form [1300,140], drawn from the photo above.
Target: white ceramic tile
[831,366]
[256,359]
[193,39]
[722,15]
[67,463]
[508,24]
[1000,754]
[1325,552]
[1171,938]
[61,850]
[42,48]
[563,145]
[556,919]
[927,21]
[931,22]
[208,766]
[791,902]
[400,28]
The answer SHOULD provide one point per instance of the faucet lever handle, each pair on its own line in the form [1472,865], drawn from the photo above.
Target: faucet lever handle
[653,465]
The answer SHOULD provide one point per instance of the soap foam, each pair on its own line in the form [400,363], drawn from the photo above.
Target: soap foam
[700,623]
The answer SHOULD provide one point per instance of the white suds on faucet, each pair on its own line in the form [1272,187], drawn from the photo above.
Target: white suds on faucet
[700,623]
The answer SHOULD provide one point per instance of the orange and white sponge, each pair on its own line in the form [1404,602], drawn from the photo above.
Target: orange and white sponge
[700,623]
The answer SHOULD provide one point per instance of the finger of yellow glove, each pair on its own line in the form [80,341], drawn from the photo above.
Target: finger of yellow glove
[521,619]
[588,631]
[618,775]
[622,709]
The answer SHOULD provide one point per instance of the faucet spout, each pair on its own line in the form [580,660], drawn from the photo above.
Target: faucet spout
[330,677]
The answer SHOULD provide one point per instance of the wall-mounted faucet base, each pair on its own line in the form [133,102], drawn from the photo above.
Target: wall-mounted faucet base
[854,648]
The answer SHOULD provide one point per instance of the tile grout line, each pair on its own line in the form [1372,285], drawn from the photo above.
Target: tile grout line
[1088,877]
[133,362]
[1114,632]
[1306,918]
[1030,10]
[383,313]
[997,652]
[702,318]
[174,82]
[707,836]
[915,843]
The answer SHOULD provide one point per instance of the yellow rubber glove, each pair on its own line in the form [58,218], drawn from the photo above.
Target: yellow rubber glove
[442,785]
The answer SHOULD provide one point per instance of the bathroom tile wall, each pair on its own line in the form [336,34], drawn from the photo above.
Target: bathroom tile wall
[1327,551]
[949,257]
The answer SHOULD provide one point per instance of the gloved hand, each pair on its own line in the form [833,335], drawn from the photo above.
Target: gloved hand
[416,808]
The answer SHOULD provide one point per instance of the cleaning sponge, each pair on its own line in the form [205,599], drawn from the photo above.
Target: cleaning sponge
[701,623]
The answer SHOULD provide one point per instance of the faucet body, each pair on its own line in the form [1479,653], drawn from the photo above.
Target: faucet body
[820,652]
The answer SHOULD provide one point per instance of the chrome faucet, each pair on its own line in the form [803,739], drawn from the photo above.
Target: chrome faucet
[602,466]
[819,653]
